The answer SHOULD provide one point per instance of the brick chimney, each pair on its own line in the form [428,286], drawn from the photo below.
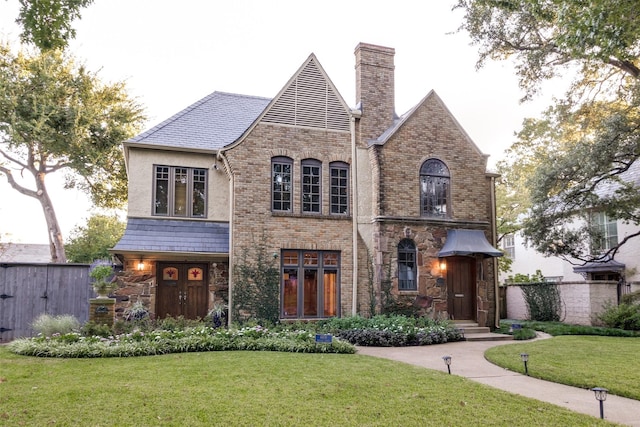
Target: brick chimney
[375,91]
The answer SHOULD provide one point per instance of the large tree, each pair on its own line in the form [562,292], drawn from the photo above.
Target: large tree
[47,23]
[92,241]
[579,151]
[55,115]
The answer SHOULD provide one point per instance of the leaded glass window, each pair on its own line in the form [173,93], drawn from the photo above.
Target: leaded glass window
[434,189]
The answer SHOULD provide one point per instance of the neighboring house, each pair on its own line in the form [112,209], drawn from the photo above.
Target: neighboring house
[25,253]
[586,289]
[624,267]
[343,198]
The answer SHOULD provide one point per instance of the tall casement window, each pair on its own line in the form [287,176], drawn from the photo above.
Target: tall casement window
[311,190]
[407,265]
[310,284]
[509,246]
[281,184]
[339,203]
[434,188]
[604,232]
[180,192]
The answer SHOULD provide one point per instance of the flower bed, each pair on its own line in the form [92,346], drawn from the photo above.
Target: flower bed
[202,338]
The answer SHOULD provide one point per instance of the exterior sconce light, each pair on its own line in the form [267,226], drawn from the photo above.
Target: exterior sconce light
[140,265]
[442,263]
[601,396]
[447,361]
[525,359]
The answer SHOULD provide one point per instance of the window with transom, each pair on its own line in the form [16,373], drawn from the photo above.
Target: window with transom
[310,284]
[180,191]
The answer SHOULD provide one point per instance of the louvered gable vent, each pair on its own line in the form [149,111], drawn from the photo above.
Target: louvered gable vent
[310,101]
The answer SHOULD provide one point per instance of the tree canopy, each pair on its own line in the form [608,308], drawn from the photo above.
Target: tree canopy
[576,157]
[93,240]
[55,115]
[47,23]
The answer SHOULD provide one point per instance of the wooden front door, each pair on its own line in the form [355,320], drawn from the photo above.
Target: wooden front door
[461,288]
[182,290]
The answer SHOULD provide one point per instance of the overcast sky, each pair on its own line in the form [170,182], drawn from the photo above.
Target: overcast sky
[172,53]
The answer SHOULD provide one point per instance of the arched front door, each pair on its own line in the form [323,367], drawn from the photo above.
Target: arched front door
[461,288]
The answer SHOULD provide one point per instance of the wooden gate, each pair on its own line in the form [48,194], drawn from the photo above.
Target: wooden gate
[28,290]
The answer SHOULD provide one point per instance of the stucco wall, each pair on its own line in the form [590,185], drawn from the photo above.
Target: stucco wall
[581,301]
[527,260]
[141,172]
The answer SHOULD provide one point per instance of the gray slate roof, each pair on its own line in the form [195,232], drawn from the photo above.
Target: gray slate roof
[166,235]
[25,252]
[215,121]
[631,175]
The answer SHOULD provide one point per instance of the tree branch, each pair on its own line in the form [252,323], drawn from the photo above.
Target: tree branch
[12,182]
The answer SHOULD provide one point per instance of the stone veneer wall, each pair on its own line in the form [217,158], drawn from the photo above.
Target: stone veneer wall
[581,301]
[431,297]
[140,286]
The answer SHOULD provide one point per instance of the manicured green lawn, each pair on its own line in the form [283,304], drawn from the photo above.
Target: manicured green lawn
[582,361]
[255,389]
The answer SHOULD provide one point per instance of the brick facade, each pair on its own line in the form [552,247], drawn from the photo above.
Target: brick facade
[308,120]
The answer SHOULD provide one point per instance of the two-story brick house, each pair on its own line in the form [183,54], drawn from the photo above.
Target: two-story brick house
[346,199]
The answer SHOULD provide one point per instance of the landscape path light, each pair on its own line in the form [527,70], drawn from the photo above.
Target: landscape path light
[601,396]
[447,361]
[525,359]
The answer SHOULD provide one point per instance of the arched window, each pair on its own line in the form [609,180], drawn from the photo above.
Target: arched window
[434,189]
[407,265]
[281,170]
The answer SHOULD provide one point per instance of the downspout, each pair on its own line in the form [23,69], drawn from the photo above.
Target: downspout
[232,197]
[354,212]
[494,237]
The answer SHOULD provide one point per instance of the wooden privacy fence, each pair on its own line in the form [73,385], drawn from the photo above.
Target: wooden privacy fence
[28,290]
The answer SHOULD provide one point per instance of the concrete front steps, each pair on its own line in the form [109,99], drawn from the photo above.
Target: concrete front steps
[473,332]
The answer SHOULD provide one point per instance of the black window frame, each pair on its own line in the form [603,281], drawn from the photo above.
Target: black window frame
[311,186]
[281,184]
[407,266]
[305,262]
[192,178]
[339,188]
[435,189]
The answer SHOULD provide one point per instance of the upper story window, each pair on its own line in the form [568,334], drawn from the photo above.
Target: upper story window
[509,246]
[339,203]
[434,188]
[605,232]
[180,192]
[311,189]
[407,265]
[281,184]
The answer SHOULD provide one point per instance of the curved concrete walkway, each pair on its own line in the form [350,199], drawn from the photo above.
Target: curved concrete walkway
[468,361]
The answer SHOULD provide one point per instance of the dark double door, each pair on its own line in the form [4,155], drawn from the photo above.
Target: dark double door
[182,290]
